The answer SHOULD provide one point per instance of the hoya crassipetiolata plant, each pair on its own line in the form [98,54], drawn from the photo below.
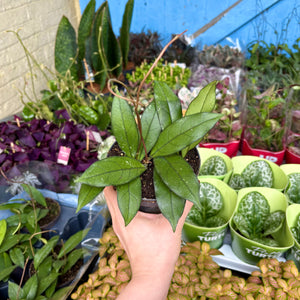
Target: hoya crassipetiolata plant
[254,220]
[256,174]
[214,165]
[293,188]
[211,203]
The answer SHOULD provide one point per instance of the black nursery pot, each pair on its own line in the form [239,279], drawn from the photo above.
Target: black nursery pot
[148,202]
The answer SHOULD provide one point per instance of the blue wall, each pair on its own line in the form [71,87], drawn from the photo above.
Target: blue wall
[275,21]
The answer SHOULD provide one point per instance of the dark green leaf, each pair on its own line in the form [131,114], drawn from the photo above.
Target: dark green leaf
[125,29]
[129,199]
[183,132]
[10,241]
[85,27]
[98,62]
[178,175]
[14,291]
[150,128]
[73,242]
[17,257]
[124,126]
[30,288]
[169,203]
[114,170]
[168,106]
[4,273]
[66,48]
[205,100]
[45,267]
[42,253]
[45,284]
[109,44]
[87,194]
[73,257]
[60,294]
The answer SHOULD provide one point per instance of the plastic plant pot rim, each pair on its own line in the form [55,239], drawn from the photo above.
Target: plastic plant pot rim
[291,213]
[290,168]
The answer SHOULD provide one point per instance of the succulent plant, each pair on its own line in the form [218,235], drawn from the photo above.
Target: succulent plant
[214,165]
[221,56]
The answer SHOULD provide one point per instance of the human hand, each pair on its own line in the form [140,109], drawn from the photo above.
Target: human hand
[150,243]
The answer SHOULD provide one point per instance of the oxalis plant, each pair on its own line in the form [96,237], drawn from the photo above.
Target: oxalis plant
[254,220]
[161,137]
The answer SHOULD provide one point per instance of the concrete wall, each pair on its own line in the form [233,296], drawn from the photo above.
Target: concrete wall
[37,22]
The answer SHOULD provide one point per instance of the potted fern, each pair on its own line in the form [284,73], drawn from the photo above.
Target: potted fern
[156,151]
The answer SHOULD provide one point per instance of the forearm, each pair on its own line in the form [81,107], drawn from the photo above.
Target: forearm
[147,288]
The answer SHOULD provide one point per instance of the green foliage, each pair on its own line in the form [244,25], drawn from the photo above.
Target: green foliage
[296,229]
[257,174]
[214,165]
[254,220]
[211,203]
[168,136]
[293,189]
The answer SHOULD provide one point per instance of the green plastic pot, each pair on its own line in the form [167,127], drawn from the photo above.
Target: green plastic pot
[251,251]
[206,153]
[239,163]
[292,213]
[289,169]
[214,236]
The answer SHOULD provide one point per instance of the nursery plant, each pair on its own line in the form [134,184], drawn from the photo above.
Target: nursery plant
[254,220]
[153,151]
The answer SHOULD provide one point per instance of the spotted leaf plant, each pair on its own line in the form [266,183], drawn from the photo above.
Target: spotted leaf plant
[296,229]
[257,173]
[254,220]
[293,188]
[215,165]
[211,203]
[161,137]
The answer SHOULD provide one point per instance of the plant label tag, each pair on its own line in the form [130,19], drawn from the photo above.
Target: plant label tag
[63,155]
[94,136]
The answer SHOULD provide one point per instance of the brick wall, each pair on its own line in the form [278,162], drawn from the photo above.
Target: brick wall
[37,22]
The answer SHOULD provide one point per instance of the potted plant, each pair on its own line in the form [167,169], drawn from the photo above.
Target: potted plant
[214,164]
[293,221]
[258,226]
[252,171]
[210,222]
[292,191]
[226,134]
[153,147]
[265,125]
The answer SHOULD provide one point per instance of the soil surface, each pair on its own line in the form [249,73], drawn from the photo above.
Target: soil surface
[192,158]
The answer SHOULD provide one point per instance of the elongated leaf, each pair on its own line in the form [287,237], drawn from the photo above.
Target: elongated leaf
[124,126]
[109,44]
[42,253]
[66,49]
[87,194]
[34,194]
[44,284]
[124,31]
[183,132]
[73,242]
[115,170]
[3,227]
[30,288]
[205,100]
[167,104]
[150,128]
[10,241]
[242,224]
[169,203]
[14,291]
[73,257]
[59,294]
[85,28]
[45,267]
[129,199]
[4,273]
[178,175]
[98,62]
[17,257]
[5,261]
